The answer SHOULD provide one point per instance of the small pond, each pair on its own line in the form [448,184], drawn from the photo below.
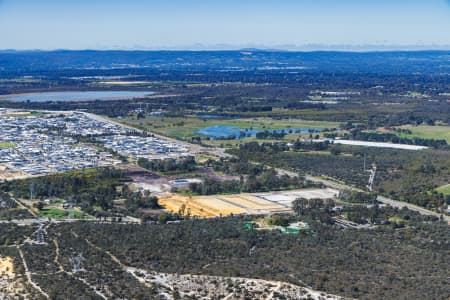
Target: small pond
[220,132]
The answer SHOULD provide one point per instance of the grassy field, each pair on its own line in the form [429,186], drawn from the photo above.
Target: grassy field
[187,127]
[427,132]
[309,113]
[4,145]
[56,213]
[445,189]
[18,114]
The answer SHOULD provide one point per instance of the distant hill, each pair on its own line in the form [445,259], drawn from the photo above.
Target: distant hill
[395,62]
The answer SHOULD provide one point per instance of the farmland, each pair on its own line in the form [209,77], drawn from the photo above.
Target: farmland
[437,132]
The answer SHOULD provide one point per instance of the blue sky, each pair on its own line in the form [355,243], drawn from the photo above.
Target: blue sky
[213,24]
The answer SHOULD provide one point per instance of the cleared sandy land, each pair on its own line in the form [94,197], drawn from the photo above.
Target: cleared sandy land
[287,197]
[257,203]
[216,287]
[11,285]
[202,206]
[6,266]
[11,175]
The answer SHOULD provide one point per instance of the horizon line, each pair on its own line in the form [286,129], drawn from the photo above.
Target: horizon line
[251,49]
[312,47]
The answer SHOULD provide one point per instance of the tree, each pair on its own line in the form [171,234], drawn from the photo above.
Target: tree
[300,205]
[39,205]
[163,218]
[335,150]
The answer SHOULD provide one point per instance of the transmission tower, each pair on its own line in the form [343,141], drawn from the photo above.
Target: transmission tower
[40,234]
[373,172]
[76,262]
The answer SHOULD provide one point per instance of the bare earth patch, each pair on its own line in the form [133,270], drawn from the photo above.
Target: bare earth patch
[11,286]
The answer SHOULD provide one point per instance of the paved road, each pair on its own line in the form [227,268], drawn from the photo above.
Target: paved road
[24,222]
[27,222]
[400,204]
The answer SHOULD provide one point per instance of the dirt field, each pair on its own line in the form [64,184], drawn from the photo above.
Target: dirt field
[6,266]
[216,287]
[257,203]
[287,197]
[10,283]
[11,175]
[203,206]
[156,185]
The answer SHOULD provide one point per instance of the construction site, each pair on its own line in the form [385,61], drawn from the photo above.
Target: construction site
[245,203]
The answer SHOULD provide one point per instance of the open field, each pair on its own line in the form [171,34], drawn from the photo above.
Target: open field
[445,189]
[6,266]
[56,213]
[287,197]
[187,127]
[427,132]
[4,145]
[124,83]
[307,113]
[252,204]
[11,174]
[202,206]
[10,282]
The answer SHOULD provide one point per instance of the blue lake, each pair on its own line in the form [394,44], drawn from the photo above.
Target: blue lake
[223,132]
[76,96]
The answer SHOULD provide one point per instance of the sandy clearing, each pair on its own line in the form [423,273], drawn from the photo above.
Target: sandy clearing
[11,284]
[257,203]
[176,202]
[6,266]
[287,197]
